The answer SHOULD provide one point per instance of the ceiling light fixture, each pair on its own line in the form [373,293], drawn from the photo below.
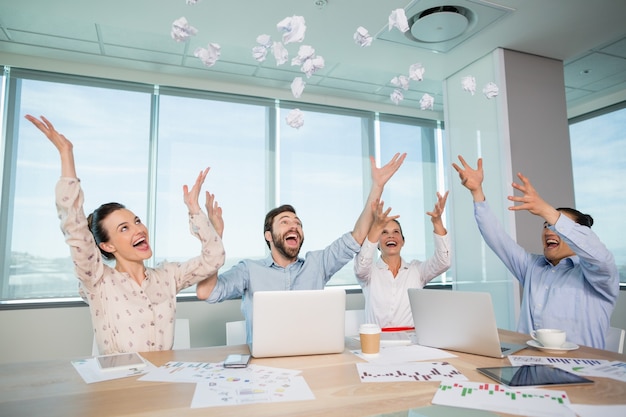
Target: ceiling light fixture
[439,24]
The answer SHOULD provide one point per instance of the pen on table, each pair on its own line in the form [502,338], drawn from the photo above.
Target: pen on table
[396,329]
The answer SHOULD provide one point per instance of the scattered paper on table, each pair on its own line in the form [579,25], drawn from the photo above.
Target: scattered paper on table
[584,410]
[218,386]
[181,30]
[90,372]
[500,398]
[587,367]
[403,354]
[213,372]
[409,371]
[293,388]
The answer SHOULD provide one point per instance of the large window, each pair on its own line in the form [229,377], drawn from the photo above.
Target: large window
[228,137]
[598,149]
[420,171]
[138,144]
[97,121]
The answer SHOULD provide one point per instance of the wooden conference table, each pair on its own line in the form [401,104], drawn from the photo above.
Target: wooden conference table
[54,388]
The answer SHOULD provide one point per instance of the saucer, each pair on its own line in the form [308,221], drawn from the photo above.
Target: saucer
[564,348]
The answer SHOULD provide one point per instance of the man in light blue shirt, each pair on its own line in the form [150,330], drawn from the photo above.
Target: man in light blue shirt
[284,269]
[574,285]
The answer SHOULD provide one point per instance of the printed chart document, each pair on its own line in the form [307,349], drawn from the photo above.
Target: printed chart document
[402,354]
[90,372]
[586,367]
[410,371]
[219,386]
[501,399]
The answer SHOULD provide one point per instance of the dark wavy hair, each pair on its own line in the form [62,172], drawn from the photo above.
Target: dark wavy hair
[271,215]
[580,218]
[94,221]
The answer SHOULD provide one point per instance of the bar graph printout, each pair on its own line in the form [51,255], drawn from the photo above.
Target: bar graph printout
[410,371]
[499,398]
[587,367]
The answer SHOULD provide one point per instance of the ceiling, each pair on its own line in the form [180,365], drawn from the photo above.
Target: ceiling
[135,35]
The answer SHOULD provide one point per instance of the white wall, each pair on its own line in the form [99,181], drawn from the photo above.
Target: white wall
[65,333]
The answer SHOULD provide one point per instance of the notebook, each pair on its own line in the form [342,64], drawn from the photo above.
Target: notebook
[293,323]
[458,320]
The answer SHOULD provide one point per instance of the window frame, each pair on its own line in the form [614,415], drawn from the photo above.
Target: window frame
[10,109]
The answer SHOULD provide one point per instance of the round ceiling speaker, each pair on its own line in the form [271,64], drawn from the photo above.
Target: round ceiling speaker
[439,24]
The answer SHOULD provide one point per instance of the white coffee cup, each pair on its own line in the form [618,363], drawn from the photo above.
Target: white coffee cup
[369,333]
[550,338]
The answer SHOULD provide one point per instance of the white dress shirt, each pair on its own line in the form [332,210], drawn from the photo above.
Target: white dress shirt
[386,297]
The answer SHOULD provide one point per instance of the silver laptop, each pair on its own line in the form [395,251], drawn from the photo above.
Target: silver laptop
[458,320]
[293,323]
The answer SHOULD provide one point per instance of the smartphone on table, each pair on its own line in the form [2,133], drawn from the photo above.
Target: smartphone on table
[120,361]
[236,361]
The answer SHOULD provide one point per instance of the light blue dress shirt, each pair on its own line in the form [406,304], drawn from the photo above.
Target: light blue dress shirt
[310,273]
[577,295]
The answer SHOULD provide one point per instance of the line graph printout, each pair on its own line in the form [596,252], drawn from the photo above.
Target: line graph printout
[409,371]
[588,367]
[499,398]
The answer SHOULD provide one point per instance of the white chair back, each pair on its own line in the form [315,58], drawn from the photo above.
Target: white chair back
[354,319]
[236,332]
[615,340]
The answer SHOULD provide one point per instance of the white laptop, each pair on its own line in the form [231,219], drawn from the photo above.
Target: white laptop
[457,320]
[293,323]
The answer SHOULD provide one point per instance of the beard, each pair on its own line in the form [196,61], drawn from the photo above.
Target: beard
[290,253]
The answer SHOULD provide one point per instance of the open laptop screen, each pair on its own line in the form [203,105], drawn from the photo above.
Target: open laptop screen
[304,322]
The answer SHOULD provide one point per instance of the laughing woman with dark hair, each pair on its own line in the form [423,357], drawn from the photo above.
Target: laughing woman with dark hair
[132,307]
[573,285]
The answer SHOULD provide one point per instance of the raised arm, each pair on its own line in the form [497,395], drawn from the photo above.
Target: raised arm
[380,176]
[532,201]
[63,145]
[435,215]
[381,218]
[472,179]
[191,196]
[205,287]
[214,212]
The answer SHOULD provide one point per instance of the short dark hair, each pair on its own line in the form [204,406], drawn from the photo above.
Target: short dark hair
[580,218]
[94,221]
[271,215]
